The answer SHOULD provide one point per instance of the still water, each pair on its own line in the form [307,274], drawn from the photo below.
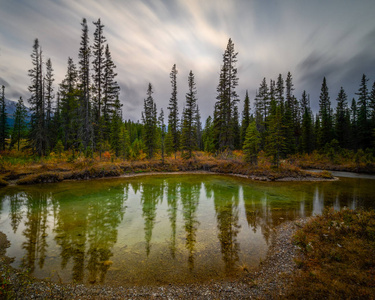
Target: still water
[159,229]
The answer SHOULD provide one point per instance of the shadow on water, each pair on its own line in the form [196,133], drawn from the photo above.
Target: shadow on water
[159,229]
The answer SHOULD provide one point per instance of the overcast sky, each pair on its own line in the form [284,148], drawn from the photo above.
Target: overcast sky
[311,39]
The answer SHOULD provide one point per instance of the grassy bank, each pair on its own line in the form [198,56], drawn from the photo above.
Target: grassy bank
[340,160]
[337,256]
[22,171]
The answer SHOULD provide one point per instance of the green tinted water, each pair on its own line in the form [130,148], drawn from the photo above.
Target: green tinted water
[158,229]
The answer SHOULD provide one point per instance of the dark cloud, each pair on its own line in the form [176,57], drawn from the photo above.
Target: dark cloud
[312,39]
[4,82]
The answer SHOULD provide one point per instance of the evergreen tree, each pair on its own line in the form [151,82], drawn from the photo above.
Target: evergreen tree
[173,121]
[236,129]
[275,139]
[245,117]
[364,133]
[38,135]
[251,145]
[189,126]
[69,107]
[110,91]
[289,116]
[372,113]
[84,85]
[49,95]
[262,106]
[162,135]
[354,125]
[199,129]
[20,126]
[226,101]
[307,126]
[342,121]
[208,136]
[325,134]
[279,91]
[3,120]
[115,129]
[149,118]
[98,77]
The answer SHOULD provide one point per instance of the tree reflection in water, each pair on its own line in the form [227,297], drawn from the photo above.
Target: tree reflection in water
[70,231]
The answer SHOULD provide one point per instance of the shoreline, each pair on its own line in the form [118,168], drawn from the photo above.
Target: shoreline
[46,178]
[267,281]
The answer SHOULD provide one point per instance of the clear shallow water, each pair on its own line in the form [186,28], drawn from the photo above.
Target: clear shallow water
[159,229]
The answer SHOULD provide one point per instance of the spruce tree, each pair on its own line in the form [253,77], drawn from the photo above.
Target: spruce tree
[364,133]
[354,125]
[3,120]
[189,126]
[307,129]
[115,129]
[69,107]
[245,117]
[289,116]
[173,120]
[261,111]
[251,144]
[227,99]
[208,136]
[110,91]
[199,129]
[342,120]
[149,118]
[49,96]
[325,134]
[98,78]
[275,139]
[38,134]
[162,135]
[19,130]
[84,85]
[372,113]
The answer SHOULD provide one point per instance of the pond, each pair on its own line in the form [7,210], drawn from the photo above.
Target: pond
[159,229]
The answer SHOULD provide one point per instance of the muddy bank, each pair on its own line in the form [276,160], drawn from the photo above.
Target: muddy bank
[53,174]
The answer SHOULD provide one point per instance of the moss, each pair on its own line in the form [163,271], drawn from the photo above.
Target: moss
[338,258]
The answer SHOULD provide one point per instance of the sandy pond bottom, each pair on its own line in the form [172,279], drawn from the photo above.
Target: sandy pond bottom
[156,230]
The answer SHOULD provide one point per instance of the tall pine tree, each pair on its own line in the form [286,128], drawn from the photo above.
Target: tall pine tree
[173,135]
[245,116]
[325,134]
[98,78]
[227,98]
[149,118]
[342,119]
[19,130]
[84,54]
[37,137]
[49,96]
[3,120]
[364,134]
[189,130]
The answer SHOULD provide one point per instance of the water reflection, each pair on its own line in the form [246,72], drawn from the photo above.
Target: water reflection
[193,228]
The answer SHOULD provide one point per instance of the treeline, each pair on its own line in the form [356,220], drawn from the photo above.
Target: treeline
[84,114]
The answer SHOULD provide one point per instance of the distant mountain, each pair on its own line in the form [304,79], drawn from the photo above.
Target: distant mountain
[10,107]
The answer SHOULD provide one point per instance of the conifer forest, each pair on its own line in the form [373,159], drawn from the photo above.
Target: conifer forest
[83,114]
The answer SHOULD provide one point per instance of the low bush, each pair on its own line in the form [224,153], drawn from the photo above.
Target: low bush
[338,258]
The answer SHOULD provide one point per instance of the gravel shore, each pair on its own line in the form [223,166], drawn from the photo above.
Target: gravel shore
[268,281]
